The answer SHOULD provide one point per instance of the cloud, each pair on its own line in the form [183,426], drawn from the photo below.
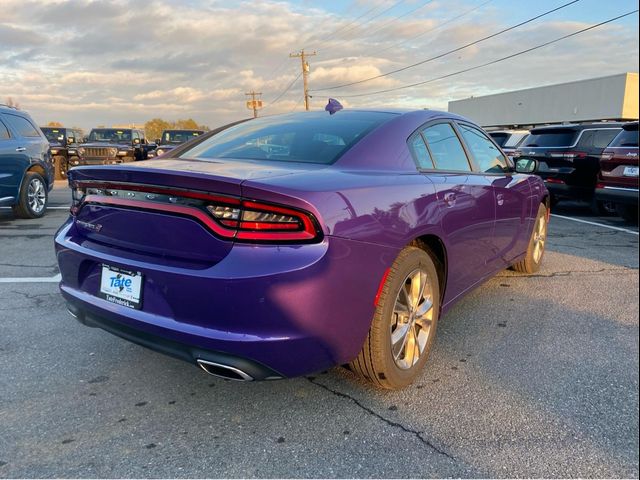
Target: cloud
[87,62]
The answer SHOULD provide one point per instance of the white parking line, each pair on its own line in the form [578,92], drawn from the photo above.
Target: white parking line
[48,208]
[611,227]
[54,279]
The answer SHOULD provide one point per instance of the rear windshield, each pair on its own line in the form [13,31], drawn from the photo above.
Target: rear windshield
[314,137]
[500,138]
[54,134]
[626,138]
[560,137]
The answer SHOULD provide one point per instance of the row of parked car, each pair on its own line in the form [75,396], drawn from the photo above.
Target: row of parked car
[107,146]
[593,162]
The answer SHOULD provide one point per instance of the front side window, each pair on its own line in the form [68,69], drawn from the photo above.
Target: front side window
[446,149]
[311,138]
[485,153]
[22,126]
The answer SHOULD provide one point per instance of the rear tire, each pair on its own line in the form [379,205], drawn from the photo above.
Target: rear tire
[33,197]
[602,209]
[404,324]
[535,250]
[628,212]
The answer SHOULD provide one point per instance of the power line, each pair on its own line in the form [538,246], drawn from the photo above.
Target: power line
[437,27]
[450,51]
[274,101]
[378,15]
[393,20]
[493,62]
[335,32]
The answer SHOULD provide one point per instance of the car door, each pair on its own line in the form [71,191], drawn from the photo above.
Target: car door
[14,160]
[466,205]
[512,194]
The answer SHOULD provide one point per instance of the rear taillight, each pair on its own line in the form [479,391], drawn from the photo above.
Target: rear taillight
[568,155]
[554,180]
[228,217]
[265,222]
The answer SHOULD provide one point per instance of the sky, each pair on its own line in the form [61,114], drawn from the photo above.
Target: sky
[87,63]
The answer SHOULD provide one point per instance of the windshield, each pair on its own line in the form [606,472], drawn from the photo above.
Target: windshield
[111,135]
[314,137]
[560,137]
[54,134]
[179,136]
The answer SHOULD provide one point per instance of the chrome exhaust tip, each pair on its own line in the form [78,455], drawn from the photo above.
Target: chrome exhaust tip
[224,371]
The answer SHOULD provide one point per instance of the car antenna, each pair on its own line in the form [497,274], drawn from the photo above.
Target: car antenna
[333,106]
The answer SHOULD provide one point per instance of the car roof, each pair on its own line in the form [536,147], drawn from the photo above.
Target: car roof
[578,126]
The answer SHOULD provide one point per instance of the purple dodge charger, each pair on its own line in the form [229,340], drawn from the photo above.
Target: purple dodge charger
[288,244]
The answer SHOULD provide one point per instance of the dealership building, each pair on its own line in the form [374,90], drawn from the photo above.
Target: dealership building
[614,97]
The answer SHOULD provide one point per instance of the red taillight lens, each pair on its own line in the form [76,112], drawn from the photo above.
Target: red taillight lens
[228,217]
[554,180]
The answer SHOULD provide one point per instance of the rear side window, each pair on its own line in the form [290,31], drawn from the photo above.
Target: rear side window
[626,138]
[446,148]
[603,138]
[485,153]
[420,152]
[4,132]
[552,137]
[22,126]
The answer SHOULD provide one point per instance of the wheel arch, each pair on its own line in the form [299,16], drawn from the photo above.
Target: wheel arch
[434,246]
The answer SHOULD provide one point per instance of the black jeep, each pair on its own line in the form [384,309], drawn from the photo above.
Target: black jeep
[106,146]
[64,144]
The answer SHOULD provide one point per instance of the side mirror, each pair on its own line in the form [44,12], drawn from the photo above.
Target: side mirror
[526,165]
[136,141]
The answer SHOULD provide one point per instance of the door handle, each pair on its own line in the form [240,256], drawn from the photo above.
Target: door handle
[21,149]
[500,199]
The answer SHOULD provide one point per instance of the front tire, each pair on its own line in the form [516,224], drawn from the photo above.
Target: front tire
[33,197]
[404,324]
[535,250]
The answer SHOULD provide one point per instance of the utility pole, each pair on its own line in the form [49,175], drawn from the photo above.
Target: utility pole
[255,103]
[305,73]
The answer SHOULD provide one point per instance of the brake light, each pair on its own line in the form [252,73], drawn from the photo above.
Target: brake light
[568,155]
[228,217]
[554,180]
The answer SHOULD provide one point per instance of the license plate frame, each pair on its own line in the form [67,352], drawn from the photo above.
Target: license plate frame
[121,287]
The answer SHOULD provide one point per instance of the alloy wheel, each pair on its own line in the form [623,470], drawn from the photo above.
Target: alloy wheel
[36,195]
[412,319]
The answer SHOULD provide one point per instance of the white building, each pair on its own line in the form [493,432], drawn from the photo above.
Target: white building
[606,98]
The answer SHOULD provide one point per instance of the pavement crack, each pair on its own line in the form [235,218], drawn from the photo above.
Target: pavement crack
[566,273]
[419,435]
[37,299]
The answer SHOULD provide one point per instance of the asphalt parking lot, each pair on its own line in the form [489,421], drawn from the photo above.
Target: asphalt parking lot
[533,376]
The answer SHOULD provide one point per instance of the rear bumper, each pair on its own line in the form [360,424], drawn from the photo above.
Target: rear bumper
[620,195]
[562,190]
[186,352]
[291,310]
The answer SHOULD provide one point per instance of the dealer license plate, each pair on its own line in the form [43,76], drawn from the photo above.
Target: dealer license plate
[121,287]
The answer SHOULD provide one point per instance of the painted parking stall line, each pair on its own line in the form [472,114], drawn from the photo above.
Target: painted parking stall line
[611,227]
[54,279]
